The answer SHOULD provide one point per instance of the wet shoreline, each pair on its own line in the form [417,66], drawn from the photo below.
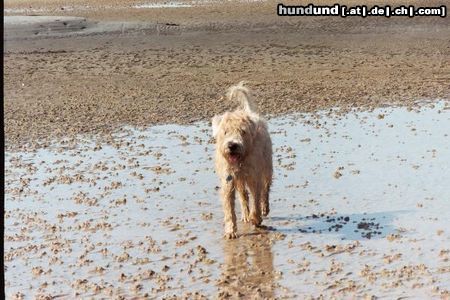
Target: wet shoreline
[110,183]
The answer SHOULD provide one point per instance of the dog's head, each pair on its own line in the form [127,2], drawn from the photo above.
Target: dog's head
[234,133]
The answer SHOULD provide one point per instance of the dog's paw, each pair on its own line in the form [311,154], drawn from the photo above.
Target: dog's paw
[255,220]
[230,235]
[245,218]
[265,211]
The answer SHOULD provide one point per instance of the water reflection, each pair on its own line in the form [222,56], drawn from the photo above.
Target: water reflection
[248,269]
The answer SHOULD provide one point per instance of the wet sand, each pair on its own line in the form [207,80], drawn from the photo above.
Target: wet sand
[110,188]
[140,67]
[359,208]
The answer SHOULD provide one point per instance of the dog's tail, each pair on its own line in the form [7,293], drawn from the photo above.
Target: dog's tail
[242,95]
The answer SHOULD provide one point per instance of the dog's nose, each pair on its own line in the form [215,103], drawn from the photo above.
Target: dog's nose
[232,146]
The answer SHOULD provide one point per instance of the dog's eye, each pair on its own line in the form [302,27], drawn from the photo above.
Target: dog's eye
[225,132]
[243,132]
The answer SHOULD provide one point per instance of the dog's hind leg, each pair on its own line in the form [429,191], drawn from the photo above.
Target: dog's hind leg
[265,200]
[255,207]
[228,203]
[243,196]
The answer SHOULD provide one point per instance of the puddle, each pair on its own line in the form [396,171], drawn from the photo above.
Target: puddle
[36,26]
[360,206]
[171,4]
[28,27]
[178,4]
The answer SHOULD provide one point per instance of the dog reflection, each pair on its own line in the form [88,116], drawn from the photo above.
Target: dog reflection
[248,270]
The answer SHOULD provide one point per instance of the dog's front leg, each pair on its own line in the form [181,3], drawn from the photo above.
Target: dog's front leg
[243,195]
[228,201]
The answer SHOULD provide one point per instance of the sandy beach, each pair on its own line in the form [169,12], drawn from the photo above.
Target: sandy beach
[151,66]
[110,185]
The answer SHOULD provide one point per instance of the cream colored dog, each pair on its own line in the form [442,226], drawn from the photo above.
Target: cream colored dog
[243,160]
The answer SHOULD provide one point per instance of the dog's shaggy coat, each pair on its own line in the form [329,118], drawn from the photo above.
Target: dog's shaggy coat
[243,160]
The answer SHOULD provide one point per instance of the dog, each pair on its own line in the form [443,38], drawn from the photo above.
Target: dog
[243,160]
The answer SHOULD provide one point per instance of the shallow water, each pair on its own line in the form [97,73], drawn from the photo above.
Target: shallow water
[360,206]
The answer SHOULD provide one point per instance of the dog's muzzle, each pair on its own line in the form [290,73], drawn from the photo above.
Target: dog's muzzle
[234,152]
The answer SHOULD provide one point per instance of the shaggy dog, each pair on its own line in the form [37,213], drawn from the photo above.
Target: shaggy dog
[243,160]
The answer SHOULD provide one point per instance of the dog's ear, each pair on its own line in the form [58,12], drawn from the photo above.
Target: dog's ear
[216,124]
